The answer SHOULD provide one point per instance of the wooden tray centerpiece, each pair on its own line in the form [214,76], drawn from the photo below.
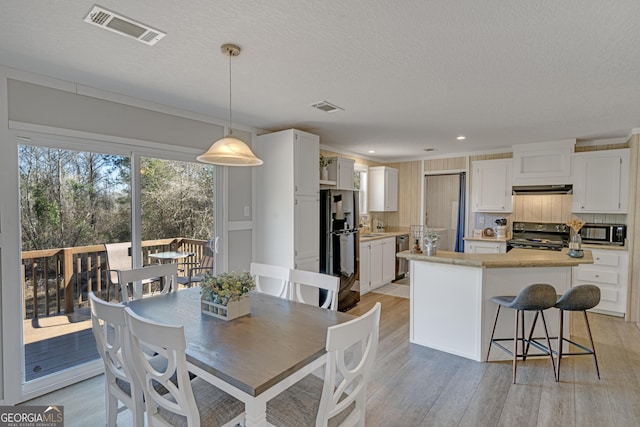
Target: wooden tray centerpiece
[226,296]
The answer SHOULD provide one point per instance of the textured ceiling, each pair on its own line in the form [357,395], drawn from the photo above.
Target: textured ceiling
[410,75]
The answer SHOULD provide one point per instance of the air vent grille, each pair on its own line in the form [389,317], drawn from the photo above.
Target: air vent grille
[122,25]
[327,107]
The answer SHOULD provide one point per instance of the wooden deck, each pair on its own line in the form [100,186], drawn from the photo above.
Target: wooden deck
[58,342]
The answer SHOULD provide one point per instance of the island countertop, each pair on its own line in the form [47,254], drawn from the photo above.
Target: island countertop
[513,259]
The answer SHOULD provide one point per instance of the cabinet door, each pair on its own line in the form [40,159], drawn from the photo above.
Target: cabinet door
[344,178]
[601,183]
[485,247]
[365,266]
[306,155]
[388,260]
[391,186]
[375,264]
[307,225]
[492,186]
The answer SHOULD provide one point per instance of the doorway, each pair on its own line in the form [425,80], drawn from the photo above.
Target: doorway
[445,209]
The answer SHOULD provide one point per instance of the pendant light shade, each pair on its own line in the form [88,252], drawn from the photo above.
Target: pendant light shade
[229,151]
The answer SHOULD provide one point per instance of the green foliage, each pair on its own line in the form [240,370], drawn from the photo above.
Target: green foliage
[325,161]
[226,287]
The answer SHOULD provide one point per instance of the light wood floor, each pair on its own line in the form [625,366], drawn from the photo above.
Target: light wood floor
[417,386]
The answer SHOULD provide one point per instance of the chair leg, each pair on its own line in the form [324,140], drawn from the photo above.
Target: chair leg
[593,348]
[492,333]
[533,325]
[515,346]
[546,334]
[560,344]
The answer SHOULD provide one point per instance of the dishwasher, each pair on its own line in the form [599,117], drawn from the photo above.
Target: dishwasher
[402,264]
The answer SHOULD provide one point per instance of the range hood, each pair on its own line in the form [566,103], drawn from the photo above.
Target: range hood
[542,189]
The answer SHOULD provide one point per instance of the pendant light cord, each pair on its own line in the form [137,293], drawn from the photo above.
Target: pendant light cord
[230,116]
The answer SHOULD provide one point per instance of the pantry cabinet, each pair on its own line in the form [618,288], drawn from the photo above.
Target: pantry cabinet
[287,200]
[601,181]
[377,263]
[383,189]
[491,183]
[609,271]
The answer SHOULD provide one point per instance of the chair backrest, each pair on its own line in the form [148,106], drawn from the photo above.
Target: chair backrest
[351,348]
[118,258]
[578,298]
[327,282]
[271,279]
[131,280]
[539,296]
[168,341]
[109,326]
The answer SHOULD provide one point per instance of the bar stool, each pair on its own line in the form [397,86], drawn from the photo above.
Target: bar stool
[579,298]
[537,297]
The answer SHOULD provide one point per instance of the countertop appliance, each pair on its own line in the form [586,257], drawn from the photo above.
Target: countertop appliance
[402,264]
[535,235]
[339,243]
[604,234]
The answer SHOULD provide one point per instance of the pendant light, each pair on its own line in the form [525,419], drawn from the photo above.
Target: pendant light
[229,151]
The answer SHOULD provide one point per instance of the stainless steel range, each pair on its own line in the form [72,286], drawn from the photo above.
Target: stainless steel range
[535,235]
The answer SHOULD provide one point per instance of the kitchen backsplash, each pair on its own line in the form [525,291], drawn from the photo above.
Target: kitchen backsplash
[542,208]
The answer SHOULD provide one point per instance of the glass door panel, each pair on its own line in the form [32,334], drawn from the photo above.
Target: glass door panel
[71,203]
[177,214]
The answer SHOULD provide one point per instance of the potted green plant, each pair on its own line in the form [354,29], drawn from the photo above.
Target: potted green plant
[225,295]
[324,162]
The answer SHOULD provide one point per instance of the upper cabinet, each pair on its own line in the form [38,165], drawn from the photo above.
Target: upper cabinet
[543,163]
[601,181]
[492,186]
[341,171]
[383,189]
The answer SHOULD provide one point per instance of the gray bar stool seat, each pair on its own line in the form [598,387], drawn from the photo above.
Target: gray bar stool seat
[537,297]
[579,298]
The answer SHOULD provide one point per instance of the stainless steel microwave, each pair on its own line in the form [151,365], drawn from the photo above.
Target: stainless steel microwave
[604,234]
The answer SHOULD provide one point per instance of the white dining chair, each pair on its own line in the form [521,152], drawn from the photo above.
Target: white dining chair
[271,279]
[131,281]
[109,327]
[342,396]
[331,284]
[186,403]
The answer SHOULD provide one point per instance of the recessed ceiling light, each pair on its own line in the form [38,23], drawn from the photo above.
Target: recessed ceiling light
[461,138]
[371,151]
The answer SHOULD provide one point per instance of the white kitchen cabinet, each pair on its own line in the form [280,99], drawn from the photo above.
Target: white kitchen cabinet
[341,171]
[383,189]
[543,163]
[388,260]
[609,272]
[491,183]
[476,247]
[601,181]
[377,263]
[287,201]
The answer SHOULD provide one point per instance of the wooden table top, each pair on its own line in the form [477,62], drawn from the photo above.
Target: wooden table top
[253,352]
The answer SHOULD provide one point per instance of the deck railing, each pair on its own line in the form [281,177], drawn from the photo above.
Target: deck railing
[58,280]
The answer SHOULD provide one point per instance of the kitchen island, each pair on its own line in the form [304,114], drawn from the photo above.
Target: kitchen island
[451,307]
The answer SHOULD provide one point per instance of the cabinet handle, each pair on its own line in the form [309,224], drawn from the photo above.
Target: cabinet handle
[597,258]
[597,275]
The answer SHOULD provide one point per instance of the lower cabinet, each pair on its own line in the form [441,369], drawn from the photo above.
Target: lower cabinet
[377,263]
[610,272]
[476,247]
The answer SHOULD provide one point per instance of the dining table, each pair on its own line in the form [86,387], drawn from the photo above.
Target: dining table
[170,255]
[254,357]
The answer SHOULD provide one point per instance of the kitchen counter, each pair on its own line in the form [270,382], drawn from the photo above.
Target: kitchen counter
[450,296]
[489,239]
[515,258]
[366,237]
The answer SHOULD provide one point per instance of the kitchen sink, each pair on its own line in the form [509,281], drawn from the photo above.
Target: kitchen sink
[374,234]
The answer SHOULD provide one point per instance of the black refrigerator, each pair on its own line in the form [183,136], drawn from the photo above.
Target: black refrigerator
[339,243]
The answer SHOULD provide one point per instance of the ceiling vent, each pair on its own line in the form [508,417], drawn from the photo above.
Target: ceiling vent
[327,107]
[117,23]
